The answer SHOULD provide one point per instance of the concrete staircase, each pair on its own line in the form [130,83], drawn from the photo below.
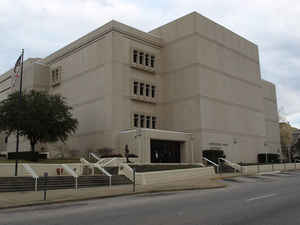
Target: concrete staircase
[226,169]
[13,184]
[9,184]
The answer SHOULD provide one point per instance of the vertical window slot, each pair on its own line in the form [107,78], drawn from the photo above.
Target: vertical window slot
[53,76]
[148,119]
[136,120]
[142,89]
[153,122]
[142,121]
[147,59]
[141,58]
[135,87]
[152,61]
[153,91]
[135,56]
[56,75]
[147,90]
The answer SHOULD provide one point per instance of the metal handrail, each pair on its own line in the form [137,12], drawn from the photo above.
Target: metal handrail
[32,173]
[206,159]
[85,162]
[99,160]
[231,164]
[215,164]
[72,173]
[93,165]
[95,156]
[125,167]
[103,161]
[108,162]
[104,171]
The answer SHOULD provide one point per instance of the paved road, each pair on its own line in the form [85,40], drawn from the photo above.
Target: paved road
[266,200]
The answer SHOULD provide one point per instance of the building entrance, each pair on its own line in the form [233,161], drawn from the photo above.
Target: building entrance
[213,155]
[165,151]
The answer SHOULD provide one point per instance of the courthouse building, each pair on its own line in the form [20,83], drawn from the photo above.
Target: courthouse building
[184,88]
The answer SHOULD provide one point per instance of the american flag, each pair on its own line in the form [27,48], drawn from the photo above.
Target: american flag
[17,70]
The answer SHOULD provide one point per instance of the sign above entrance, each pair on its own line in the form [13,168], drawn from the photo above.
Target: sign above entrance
[217,144]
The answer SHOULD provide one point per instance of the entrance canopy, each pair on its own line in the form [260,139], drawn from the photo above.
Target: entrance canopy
[158,146]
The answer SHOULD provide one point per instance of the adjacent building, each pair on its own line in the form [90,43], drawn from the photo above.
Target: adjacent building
[169,94]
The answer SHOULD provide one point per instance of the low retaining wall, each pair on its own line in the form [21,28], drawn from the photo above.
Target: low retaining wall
[8,169]
[167,176]
[251,170]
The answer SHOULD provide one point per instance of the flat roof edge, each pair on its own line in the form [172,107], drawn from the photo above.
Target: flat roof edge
[98,34]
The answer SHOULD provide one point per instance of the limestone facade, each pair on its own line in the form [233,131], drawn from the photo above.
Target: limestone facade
[191,75]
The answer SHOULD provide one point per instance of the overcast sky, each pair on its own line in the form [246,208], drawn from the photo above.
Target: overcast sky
[42,27]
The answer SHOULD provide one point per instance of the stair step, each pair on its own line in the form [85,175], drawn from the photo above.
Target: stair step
[13,184]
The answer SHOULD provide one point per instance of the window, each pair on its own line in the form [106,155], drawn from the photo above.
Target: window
[142,89]
[135,56]
[135,87]
[153,122]
[148,118]
[153,91]
[147,90]
[147,60]
[53,76]
[152,61]
[56,76]
[136,120]
[142,121]
[141,58]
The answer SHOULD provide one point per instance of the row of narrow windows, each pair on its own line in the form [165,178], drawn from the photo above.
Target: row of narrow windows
[143,58]
[142,121]
[55,75]
[144,89]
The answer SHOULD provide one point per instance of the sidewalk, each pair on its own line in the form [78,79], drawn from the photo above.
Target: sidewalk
[18,199]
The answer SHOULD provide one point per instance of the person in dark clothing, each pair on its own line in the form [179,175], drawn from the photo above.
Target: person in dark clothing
[127,154]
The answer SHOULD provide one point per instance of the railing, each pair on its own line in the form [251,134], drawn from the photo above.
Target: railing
[95,156]
[103,161]
[108,162]
[90,165]
[32,173]
[127,171]
[96,165]
[99,160]
[104,172]
[211,162]
[72,173]
[231,164]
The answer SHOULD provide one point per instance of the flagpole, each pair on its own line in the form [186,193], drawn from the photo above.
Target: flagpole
[20,92]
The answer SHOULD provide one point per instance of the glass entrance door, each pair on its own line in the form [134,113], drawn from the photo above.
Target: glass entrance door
[163,151]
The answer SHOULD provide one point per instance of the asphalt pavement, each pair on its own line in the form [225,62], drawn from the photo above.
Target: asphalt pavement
[270,199]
